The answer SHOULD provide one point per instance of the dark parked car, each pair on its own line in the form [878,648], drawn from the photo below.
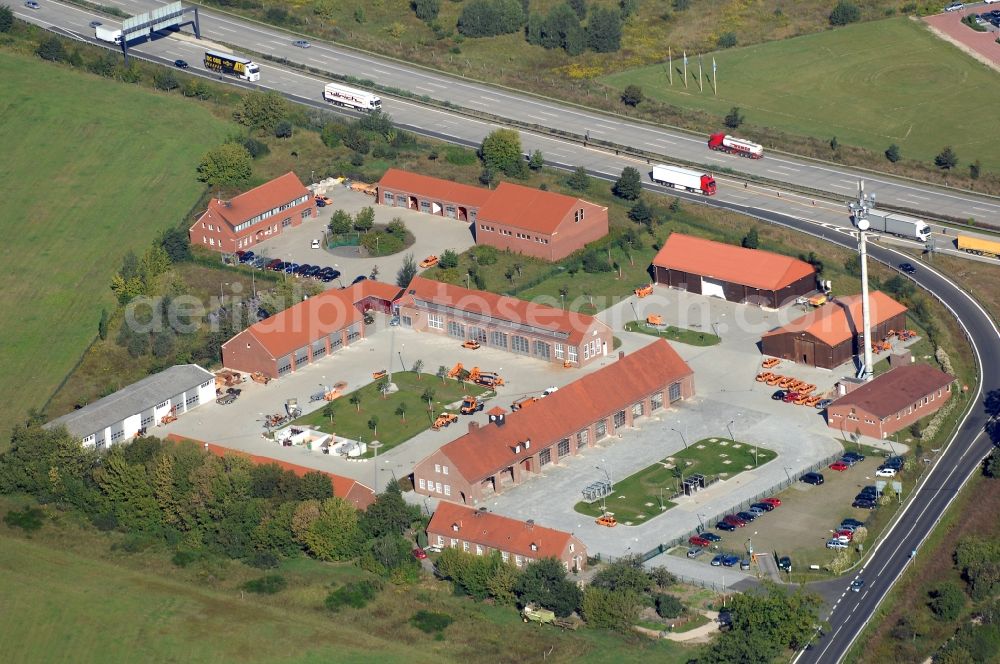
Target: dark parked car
[247,257]
[727,527]
[730,560]
[290,267]
[863,504]
[907,268]
[305,267]
[894,462]
[717,560]
[725,618]
[854,456]
[852,522]
[274,262]
[767,507]
[279,266]
[358,279]
[711,537]
[812,478]
[785,564]
[180,64]
[746,516]
[779,395]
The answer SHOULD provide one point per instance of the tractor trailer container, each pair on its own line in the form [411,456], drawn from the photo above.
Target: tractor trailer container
[737,146]
[684,178]
[114,36]
[341,95]
[232,65]
[894,223]
[978,246]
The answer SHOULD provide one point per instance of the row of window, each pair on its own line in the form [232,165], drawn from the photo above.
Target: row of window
[434,487]
[480,550]
[520,236]
[438,468]
[435,322]
[591,349]
[270,213]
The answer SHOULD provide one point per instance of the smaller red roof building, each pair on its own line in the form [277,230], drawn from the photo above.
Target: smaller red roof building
[829,335]
[519,542]
[509,323]
[733,273]
[254,216]
[891,402]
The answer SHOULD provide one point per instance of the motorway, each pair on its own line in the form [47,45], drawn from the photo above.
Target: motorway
[509,104]
[825,219]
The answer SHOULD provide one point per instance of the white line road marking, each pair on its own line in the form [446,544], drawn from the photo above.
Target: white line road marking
[777,172]
[489,99]
[551,115]
[420,87]
[663,141]
[383,72]
[976,208]
[907,200]
[840,186]
[923,198]
[319,62]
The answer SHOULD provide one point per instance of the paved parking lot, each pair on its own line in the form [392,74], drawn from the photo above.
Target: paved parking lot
[433,235]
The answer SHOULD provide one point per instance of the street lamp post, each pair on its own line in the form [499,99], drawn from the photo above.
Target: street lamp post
[683,440]
[375,445]
[728,425]
[607,473]
[787,475]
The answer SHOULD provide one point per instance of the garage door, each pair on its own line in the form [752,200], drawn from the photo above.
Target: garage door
[712,288]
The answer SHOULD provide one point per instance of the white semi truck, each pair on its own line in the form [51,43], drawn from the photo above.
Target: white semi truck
[894,223]
[114,35]
[684,178]
[335,93]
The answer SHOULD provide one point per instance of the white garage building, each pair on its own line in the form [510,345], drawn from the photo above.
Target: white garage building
[137,408]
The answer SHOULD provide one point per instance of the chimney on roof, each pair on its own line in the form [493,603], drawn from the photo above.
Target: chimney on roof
[530,523]
[473,426]
[621,354]
[228,204]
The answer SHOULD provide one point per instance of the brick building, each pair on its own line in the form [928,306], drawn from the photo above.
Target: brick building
[547,333]
[307,331]
[496,456]
[519,542]
[524,220]
[891,402]
[254,216]
[751,276]
[829,335]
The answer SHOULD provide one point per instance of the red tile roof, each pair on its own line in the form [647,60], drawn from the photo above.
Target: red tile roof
[484,451]
[528,208]
[497,532]
[551,319]
[841,318]
[755,268]
[258,200]
[343,487]
[305,322]
[425,185]
[894,390]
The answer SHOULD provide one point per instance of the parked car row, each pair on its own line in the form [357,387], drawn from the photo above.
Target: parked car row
[731,522]
[324,274]
[847,461]
[844,534]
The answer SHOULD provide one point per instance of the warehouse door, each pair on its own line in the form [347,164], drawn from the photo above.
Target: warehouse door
[712,288]
[805,352]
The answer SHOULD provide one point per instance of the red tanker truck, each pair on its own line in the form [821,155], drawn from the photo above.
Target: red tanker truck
[737,146]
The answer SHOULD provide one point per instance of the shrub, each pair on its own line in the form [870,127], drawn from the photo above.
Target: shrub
[485,254]
[6,18]
[734,119]
[845,12]
[430,622]
[29,519]
[268,584]
[489,18]
[165,80]
[580,180]
[947,602]
[254,147]
[426,10]
[459,156]
[892,153]
[628,185]
[51,48]
[947,159]
[632,96]
[264,560]
[283,129]
[668,606]
[726,40]
[184,557]
[354,595]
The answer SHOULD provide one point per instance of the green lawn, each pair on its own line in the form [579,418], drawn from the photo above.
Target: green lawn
[391,429]
[645,494]
[680,335]
[869,84]
[92,168]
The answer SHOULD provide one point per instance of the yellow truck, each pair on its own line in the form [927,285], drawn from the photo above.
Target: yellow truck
[980,247]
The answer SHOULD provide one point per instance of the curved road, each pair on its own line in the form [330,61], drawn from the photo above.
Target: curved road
[509,104]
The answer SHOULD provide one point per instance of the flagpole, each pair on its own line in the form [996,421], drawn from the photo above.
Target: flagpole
[670,66]
[715,78]
[685,69]
[701,85]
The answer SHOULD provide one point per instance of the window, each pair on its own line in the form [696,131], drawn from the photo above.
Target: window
[286,222]
[388,197]
[601,429]
[146,421]
[336,342]
[435,322]
[572,547]
[425,206]
[582,438]
[465,546]
[456,330]
[447,489]
[656,401]
[422,483]
[406,321]
[479,550]
[571,353]
[440,542]
[191,400]
[161,405]
[89,440]
[477,334]
[444,470]
[438,488]
[545,457]
[563,448]
[543,350]
[518,560]
[505,556]
[116,436]
[498,339]
[619,419]
[353,332]
[638,409]
[674,392]
[519,344]
[560,354]
[437,468]
[454,542]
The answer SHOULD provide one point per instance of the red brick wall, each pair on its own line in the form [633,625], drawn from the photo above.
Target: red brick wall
[244,353]
[460,487]
[839,417]
[226,240]
[570,235]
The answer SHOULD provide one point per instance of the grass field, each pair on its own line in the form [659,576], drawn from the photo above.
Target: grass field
[643,495]
[680,335]
[79,192]
[352,423]
[901,85]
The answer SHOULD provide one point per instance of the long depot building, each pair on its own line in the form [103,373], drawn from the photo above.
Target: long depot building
[524,220]
[507,323]
[830,335]
[497,456]
[717,269]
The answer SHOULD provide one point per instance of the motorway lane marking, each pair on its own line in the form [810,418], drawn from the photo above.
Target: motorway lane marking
[489,99]
[315,60]
[777,172]
[923,198]
[840,186]
[906,200]
[420,87]
[551,115]
[977,208]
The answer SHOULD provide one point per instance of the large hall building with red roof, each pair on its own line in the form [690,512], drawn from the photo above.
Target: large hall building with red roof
[524,220]
[493,457]
[750,276]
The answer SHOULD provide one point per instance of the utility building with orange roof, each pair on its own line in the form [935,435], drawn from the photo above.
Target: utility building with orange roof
[508,323]
[307,331]
[254,216]
[497,456]
[519,542]
[829,335]
[751,276]
[524,220]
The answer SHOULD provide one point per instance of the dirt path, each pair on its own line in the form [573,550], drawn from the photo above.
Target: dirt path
[697,635]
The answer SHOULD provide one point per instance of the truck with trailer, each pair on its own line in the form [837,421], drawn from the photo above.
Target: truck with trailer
[979,246]
[232,65]
[738,146]
[900,225]
[114,35]
[360,100]
[684,178]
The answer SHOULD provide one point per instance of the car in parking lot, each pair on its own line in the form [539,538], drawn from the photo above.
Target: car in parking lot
[857,585]
[839,466]
[907,268]
[767,507]
[730,560]
[756,511]
[836,544]
[863,504]
[305,267]
[695,551]
[181,64]
[779,395]
[790,396]
[772,501]
[246,256]
[744,564]
[885,472]
[271,265]
[847,528]
[358,279]
[812,478]
[314,244]
[746,516]
[717,560]
[843,535]
[313,271]
[290,267]
[955,7]
[724,526]
[697,540]
[894,462]
[851,522]
[734,520]
[854,457]
[711,537]
[785,564]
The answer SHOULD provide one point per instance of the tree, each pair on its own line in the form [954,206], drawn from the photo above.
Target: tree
[561,29]
[834,144]
[632,95]
[750,240]
[6,18]
[852,265]
[52,49]
[389,514]
[448,259]
[536,161]
[226,166]
[975,168]
[364,220]
[334,534]
[382,386]
[579,7]
[428,393]
[947,601]
[734,119]
[407,271]
[426,10]
[947,159]
[373,424]
[356,400]
[845,12]
[261,110]
[283,129]
[501,150]
[341,222]
[991,404]
[579,180]
[397,228]
[544,583]
[892,153]
[441,373]
[165,80]
[668,606]
[604,30]
[401,412]
[177,244]
[624,574]
[991,465]
[329,410]
[628,185]
[102,325]
[489,18]
[608,609]
[417,367]
[641,213]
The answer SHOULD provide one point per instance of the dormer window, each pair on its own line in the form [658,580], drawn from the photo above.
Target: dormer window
[534,547]
[455,527]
